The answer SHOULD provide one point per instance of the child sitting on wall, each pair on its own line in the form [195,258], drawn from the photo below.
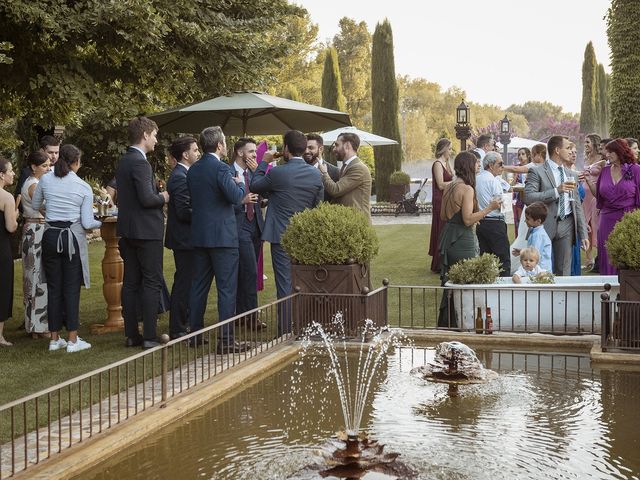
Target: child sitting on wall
[537,237]
[529,265]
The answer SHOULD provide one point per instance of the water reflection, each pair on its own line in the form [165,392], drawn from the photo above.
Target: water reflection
[547,416]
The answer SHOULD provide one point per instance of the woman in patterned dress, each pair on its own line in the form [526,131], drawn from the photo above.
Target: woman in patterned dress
[34,283]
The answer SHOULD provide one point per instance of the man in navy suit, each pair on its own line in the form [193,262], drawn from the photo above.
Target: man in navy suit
[141,229]
[178,234]
[214,191]
[250,225]
[291,188]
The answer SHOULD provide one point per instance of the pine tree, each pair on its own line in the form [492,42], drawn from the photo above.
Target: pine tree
[623,30]
[332,96]
[603,101]
[384,97]
[588,111]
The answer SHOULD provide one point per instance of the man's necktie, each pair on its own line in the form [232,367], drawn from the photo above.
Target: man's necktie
[529,232]
[561,207]
[250,210]
[342,169]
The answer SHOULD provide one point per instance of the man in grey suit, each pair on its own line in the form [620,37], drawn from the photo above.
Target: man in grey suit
[290,188]
[555,186]
[313,156]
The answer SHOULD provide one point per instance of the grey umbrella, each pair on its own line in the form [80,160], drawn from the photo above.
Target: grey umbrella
[252,113]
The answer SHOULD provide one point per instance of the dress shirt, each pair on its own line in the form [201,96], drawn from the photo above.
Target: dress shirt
[539,239]
[347,162]
[69,199]
[555,169]
[487,187]
[481,152]
[522,273]
[240,173]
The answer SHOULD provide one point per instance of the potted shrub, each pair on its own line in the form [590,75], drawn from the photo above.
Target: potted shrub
[330,249]
[398,186]
[623,246]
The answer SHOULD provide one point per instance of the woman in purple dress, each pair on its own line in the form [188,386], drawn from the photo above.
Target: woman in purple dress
[441,176]
[617,191]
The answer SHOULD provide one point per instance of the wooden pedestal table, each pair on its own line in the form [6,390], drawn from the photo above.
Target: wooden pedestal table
[112,274]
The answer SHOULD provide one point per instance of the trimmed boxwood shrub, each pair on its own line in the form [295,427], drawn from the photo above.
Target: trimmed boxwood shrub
[330,235]
[399,178]
[478,270]
[623,245]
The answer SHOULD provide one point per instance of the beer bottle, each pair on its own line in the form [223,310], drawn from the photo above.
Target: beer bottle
[489,329]
[479,321]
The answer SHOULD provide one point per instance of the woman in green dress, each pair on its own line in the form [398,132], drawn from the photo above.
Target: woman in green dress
[459,210]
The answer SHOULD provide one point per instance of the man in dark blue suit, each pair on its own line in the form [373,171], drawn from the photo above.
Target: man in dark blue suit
[250,224]
[178,234]
[291,188]
[214,191]
[141,229]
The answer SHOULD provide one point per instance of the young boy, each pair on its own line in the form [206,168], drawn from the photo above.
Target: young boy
[529,267]
[535,215]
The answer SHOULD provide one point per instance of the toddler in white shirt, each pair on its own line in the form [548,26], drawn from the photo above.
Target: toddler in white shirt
[529,258]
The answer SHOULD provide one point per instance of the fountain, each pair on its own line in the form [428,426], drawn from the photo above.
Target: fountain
[454,364]
[352,454]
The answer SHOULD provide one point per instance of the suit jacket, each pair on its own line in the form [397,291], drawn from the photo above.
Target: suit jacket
[540,186]
[334,174]
[178,234]
[240,210]
[213,195]
[353,189]
[140,205]
[291,188]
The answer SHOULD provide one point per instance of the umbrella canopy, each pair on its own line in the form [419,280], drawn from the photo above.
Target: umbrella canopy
[517,143]
[365,137]
[254,113]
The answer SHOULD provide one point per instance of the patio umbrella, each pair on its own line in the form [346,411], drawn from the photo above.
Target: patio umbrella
[365,137]
[254,113]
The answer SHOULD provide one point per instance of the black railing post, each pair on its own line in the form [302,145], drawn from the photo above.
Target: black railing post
[605,314]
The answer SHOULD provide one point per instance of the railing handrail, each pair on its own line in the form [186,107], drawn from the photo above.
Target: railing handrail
[588,287]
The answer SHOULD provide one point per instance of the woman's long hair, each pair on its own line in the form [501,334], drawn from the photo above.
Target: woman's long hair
[442,146]
[527,153]
[620,147]
[465,167]
[69,154]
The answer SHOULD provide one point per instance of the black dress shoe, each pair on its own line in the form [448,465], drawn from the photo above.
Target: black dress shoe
[233,347]
[147,344]
[133,342]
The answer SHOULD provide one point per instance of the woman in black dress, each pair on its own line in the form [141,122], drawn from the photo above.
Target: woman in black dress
[8,225]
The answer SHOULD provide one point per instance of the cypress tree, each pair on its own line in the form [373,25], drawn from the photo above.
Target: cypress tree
[603,101]
[384,107]
[588,111]
[623,30]
[332,96]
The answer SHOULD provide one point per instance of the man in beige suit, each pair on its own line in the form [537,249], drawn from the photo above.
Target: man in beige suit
[353,188]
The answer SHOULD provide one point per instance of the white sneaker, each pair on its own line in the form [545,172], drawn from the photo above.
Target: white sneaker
[80,344]
[57,344]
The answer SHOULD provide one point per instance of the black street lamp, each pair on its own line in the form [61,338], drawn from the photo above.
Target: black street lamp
[505,136]
[463,127]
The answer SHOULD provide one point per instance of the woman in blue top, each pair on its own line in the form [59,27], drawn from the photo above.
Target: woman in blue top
[65,257]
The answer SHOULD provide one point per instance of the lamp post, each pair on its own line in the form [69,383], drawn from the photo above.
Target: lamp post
[463,127]
[505,136]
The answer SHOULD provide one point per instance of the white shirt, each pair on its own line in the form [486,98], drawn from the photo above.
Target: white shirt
[555,169]
[239,171]
[481,152]
[487,187]
[527,274]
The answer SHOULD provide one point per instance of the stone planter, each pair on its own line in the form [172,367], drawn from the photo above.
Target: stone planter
[629,285]
[397,192]
[337,289]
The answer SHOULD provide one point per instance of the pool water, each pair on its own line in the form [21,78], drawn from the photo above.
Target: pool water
[548,415]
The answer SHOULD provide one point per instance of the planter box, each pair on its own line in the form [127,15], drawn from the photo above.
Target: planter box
[629,285]
[571,305]
[340,289]
[398,192]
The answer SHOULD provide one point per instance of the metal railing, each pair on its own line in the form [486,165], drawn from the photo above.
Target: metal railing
[620,325]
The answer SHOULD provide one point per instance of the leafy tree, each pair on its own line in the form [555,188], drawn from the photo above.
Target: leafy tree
[384,95]
[92,65]
[332,96]
[353,45]
[534,111]
[588,109]
[603,101]
[623,30]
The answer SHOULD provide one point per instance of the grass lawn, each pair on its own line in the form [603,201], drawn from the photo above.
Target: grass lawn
[28,366]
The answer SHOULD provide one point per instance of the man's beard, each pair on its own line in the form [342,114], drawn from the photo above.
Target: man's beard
[312,160]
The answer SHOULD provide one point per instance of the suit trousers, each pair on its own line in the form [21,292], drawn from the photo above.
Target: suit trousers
[64,278]
[249,248]
[180,291]
[142,285]
[221,263]
[493,238]
[562,245]
[282,270]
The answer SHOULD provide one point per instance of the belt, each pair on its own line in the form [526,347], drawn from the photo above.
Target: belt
[494,218]
[34,220]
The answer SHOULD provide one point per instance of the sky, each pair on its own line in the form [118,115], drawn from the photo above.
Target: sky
[500,52]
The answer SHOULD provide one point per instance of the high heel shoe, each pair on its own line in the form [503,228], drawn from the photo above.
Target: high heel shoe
[5,343]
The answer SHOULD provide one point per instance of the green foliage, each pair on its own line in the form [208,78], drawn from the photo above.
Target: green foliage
[365,154]
[330,235]
[399,178]
[622,245]
[589,120]
[623,30]
[543,278]
[332,96]
[478,270]
[353,45]
[603,101]
[535,111]
[384,108]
